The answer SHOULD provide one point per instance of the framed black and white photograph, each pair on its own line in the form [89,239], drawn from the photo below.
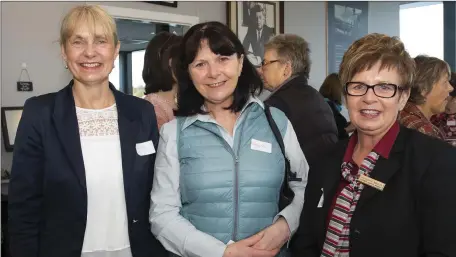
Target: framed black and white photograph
[255,22]
[347,22]
[165,3]
[10,121]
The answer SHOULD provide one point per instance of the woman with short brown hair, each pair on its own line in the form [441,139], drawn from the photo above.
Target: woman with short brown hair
[388,190]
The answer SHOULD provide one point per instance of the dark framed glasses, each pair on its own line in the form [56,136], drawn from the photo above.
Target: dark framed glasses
[264,63]
[384,90]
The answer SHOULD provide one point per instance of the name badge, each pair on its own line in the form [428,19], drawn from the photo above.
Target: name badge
[145,148]
[322,199]
[451,123]
[371,182]
[258,145]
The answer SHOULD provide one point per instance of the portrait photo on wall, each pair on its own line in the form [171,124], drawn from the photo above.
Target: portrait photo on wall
[347,22]
[255,23]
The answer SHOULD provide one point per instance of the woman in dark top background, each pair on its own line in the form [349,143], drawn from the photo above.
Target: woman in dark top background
[331,90]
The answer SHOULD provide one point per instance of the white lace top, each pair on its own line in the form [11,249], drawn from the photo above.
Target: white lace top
[106,233]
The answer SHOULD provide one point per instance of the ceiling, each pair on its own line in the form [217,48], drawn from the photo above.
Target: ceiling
[135,34]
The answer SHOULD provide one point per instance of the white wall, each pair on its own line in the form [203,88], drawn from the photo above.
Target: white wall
[32,38]
[308,20]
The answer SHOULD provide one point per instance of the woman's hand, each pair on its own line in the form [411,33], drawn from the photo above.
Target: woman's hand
[274,237]
[244,248]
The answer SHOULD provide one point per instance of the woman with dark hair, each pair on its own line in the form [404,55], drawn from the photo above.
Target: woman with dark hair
[158,75]
[219,168]
[331,90]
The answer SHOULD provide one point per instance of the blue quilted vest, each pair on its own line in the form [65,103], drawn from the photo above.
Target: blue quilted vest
[230,193]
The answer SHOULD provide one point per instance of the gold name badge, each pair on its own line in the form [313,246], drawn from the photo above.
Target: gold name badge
[371,182]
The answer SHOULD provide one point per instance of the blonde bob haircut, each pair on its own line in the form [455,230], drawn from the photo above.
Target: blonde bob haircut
[367,51]
[96,18]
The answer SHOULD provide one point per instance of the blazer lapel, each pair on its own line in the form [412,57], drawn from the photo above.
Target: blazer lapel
[331,176]
[128,131]
[386,168]
[66,124]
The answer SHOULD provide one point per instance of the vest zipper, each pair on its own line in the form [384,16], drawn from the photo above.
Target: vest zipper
[236,195]
[236,180]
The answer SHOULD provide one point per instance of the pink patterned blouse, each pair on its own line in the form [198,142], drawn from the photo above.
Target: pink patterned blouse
[163,108]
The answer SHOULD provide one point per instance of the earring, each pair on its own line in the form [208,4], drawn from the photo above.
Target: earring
[66,66]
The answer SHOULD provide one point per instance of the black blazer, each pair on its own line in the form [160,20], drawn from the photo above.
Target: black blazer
[310,115]
[47,193]
[413,216]
[341,121]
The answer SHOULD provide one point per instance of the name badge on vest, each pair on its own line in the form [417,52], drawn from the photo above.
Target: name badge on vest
[261,146]
[371,182]
[451,123]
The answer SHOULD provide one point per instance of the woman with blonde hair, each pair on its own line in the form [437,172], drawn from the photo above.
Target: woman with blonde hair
[83,157]
[388,190]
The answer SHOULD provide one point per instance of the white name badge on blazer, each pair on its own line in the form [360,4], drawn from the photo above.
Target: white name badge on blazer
[322,199]
[261,146]
[451,123]
[145,148]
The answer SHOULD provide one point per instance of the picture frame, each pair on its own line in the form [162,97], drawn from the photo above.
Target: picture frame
[346,22]
[10,122]
[255,22]
[164,3]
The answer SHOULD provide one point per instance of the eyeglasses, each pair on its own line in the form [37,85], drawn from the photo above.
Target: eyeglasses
[384,90]
[264,63]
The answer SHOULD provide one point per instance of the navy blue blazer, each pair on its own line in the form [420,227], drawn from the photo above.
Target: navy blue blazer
[47,193]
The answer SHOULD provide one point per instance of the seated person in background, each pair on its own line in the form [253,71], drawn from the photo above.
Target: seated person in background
[219,168]
[285,71]
[331,90]
[158,75]
[389,190]
[446,121]
[428,95]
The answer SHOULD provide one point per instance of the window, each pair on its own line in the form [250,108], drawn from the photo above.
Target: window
[421,28]
[134,37]
[137,64]
[114,76]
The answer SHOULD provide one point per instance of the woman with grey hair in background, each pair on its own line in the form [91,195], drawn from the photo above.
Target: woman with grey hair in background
[429,95]
[285,70]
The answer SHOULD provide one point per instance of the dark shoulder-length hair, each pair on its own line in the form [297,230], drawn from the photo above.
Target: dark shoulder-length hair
[157,73]
[332,88]
[222,41]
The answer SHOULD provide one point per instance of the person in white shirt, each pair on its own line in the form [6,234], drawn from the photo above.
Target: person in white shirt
[219,168]
[83,159]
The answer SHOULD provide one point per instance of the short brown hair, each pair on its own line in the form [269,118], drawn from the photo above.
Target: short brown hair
[93,16]
[429,70]
[370,49]
[292,48]
[332,88]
